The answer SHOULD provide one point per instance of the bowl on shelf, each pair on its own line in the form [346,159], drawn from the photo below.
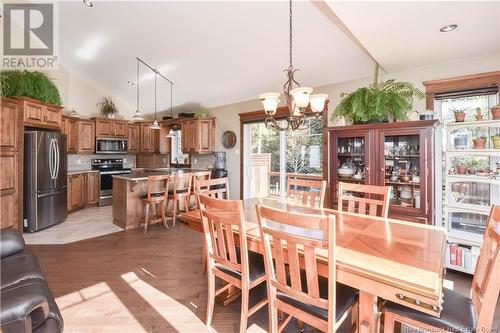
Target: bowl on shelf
[405,178]
[405,192]
[345,172]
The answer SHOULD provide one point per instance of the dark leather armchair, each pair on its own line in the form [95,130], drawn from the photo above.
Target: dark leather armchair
[27,302]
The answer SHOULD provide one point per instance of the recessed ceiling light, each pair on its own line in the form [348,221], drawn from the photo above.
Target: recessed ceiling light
[448,28]
[131,83]
[88,3]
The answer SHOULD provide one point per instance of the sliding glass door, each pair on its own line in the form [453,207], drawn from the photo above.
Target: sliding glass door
[271,157]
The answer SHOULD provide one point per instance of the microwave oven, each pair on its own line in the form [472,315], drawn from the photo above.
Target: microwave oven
[111,146]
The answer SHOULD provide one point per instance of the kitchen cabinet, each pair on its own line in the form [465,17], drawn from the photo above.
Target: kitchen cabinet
[83,190]
[39,114]
[11,159]
[152,161]
[86,137]
[70,128]
[92,188]
[110,128]
[134,138]
[149,139]
[398,155]
[198,136]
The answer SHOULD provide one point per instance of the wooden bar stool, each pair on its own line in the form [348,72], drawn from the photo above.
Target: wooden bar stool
[181,191]
[156,197]
[198,176]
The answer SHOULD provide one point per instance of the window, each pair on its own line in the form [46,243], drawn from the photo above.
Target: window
[270,157]
[176,155]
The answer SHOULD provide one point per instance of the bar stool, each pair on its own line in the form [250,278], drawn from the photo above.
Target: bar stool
[156,197]
[199,176]
[181,191]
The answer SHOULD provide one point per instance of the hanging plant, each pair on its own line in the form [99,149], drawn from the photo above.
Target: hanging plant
[107,107]
[17,83]
[379,102]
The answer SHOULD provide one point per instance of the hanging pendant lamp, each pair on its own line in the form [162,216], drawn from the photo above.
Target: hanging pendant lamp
[137,116]
[155,125]
[171,133]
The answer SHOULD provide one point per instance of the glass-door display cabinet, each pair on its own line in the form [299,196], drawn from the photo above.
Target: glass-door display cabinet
[471,173]
[398,155]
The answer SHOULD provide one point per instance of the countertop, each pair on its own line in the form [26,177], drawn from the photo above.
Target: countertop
[138,175]
[74,172]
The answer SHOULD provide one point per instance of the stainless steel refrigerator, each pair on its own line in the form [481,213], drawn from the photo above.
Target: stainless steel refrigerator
[45,190]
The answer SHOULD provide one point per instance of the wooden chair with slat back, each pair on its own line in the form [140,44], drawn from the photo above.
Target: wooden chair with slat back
[305,192]
[197,176]
[460,313]
[229,259]
[180,192]
[214,188]
[374,200]
[291,242]
[156,196]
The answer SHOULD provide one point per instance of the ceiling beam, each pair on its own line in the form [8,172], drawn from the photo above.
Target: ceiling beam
[327,10]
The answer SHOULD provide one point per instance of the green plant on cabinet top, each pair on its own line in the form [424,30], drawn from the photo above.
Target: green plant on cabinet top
[108,107]
[379,102]
[34,84]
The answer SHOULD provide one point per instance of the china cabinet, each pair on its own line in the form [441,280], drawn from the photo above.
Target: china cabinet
[398,155]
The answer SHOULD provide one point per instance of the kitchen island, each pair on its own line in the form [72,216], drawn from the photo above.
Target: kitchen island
[127,192]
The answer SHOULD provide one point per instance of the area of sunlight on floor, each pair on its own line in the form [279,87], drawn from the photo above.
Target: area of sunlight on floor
[96,299]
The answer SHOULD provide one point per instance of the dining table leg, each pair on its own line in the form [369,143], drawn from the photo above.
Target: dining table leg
[367,312]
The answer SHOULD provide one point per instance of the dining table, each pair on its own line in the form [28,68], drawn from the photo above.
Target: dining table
[383,258]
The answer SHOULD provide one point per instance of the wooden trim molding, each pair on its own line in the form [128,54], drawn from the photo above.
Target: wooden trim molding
[459,83]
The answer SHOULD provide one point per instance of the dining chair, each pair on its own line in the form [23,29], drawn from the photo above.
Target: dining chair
[156,196]
[198,175]
[214,188]
[228,256]
[291,242]
[364,199]
[460,313]
[306,192]
[180,192]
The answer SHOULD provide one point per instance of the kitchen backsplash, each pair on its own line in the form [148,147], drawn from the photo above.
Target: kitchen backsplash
[83,162]
[205,161]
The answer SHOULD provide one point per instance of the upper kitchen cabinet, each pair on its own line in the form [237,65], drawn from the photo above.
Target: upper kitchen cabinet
[109,128]
[39,114]
[10,122]
[153,140]
[198,135]
[70,128]
[134,138]
[86,137]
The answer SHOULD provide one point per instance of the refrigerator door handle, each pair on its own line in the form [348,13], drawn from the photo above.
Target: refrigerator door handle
[56,145]
[54,158]
[50,193]
[51,159]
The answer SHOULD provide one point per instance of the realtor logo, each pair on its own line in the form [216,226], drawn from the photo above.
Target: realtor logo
[29,36]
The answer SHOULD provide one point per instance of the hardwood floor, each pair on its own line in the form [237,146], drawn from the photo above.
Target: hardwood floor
[134,282]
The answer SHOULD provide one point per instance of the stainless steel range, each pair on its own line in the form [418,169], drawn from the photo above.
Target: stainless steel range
[108,167]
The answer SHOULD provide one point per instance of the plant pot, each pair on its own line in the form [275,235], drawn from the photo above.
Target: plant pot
[496,141]
[479,117]
[459,117]
[495,113]
[373,121]
[479,143]
[461,169]
[110,115]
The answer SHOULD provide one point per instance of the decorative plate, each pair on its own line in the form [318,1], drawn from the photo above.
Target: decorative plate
[229,139]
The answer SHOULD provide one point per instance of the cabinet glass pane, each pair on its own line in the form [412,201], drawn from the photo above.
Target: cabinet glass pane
[470,222]
[351,159]
[470,193]
[402,169]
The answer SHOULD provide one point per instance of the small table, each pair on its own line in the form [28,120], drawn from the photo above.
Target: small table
[396,260]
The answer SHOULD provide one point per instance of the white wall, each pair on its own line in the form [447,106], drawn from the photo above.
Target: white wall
[228,119]
[81,95]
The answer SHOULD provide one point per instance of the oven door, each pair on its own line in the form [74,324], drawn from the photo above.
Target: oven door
[111,146]
[106,185]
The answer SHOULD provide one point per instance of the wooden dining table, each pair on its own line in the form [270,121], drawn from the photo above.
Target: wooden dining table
[383,258]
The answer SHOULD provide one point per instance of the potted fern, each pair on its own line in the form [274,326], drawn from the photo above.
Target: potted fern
[34,84]
[107,107]
[379,102]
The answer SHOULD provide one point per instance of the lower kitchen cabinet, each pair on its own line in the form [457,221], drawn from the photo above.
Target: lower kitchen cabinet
[10,192]
[83,189]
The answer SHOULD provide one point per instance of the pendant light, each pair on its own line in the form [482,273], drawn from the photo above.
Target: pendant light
[137,116]
[155,125]
[298,99]
[171,133]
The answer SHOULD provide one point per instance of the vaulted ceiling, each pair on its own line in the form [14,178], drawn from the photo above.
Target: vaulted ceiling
[221,52]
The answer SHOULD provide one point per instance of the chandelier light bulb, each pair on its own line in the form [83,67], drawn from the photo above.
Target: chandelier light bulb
[301,96]
[318,102]
[270,102]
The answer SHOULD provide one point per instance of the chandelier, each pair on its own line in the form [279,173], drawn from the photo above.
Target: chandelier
[298,99]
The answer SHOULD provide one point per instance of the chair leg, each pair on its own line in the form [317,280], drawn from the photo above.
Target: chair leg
[273,316]
[388,322]
[163,217]
[146,218]
[204,260]
[175,211]
[186,200]
[244,309]
[210,298]
[300,325]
